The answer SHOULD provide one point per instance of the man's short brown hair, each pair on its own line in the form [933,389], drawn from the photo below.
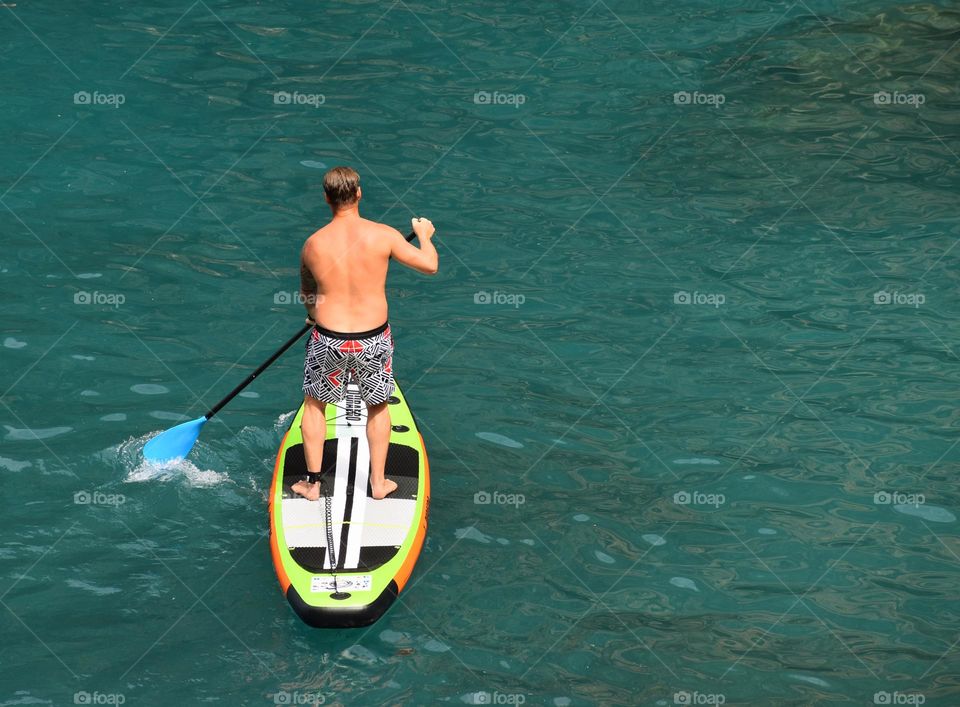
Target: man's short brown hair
[340,185]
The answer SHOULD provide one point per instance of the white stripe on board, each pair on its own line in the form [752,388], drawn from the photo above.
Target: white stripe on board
[339,498]
[351,422]
[359,505]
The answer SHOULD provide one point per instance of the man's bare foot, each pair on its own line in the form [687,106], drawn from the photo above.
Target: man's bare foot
[381,491]
[309,491]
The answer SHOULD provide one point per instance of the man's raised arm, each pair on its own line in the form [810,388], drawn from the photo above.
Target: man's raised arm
[423,259]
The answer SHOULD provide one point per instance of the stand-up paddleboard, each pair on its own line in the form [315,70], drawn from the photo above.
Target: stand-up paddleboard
[375,543]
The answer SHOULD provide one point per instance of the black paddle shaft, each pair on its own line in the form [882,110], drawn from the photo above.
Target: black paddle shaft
[263,366]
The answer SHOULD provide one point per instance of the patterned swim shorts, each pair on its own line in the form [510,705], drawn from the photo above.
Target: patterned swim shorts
[333,356]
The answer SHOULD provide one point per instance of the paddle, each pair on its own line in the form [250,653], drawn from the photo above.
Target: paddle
[177,442]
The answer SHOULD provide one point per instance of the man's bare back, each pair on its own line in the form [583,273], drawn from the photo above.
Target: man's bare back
[348,259]
[345,264]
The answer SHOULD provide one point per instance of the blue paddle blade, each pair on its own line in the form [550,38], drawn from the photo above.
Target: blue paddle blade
[175,443]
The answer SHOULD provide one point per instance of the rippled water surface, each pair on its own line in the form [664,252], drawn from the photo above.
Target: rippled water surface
[694,336]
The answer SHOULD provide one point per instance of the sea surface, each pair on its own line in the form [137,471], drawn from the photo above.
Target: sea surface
[687,376]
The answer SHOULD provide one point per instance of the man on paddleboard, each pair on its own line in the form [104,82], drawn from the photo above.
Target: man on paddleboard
[343,274]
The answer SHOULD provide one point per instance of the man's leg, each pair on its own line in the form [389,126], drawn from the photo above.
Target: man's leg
[378,438]
[313,426]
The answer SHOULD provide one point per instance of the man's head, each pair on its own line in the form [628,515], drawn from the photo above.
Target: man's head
[341,185]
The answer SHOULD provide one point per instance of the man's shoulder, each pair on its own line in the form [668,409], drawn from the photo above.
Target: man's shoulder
[308,244]
[382,230]
[372,230]
[313,237]
[380,236]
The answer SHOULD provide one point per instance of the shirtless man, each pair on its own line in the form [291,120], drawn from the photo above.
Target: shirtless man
[343,273]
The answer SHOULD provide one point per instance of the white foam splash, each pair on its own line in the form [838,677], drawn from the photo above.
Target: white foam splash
[194,475]
[284,420]
[129,454]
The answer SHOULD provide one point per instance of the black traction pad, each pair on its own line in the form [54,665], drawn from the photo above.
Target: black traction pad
[403,466]
[312,558]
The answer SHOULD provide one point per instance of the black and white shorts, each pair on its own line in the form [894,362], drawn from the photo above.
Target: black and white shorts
[333,356]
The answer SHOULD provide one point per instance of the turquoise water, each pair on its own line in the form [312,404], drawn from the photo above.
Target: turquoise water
[694,336]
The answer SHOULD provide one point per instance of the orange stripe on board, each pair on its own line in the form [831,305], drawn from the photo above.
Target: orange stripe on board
[274,547]
[406,569]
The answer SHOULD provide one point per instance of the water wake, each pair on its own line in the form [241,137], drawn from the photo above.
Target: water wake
[128,456]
